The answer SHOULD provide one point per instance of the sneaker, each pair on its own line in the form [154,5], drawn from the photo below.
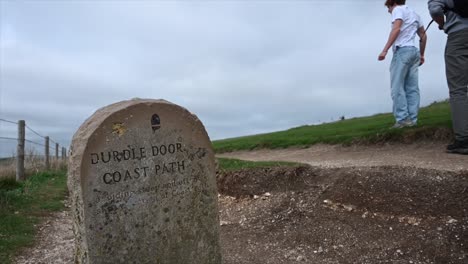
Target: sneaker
[398,125]
[410,123]
[458,147]
[404,123]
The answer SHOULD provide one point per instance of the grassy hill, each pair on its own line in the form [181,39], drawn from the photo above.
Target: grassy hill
[434,123]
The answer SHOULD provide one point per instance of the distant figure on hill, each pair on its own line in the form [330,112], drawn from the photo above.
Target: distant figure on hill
[406,58]
[452,17]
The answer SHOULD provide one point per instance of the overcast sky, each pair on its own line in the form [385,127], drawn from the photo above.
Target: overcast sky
[243,67]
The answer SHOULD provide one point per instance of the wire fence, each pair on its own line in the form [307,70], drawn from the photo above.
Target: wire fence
[30,151]
[33,142]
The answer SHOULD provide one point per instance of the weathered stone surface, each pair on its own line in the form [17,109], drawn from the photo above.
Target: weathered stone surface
[143,188]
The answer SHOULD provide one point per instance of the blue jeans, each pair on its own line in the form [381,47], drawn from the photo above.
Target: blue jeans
[404,83]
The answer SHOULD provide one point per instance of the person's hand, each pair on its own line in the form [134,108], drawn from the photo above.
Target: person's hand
[382,55]
[421,62]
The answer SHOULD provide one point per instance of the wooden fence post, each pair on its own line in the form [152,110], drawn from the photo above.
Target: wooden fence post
[20,175]
[64,153]
[56,151]
[47,163]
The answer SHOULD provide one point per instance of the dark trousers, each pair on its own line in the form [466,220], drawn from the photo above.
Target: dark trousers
[456,69]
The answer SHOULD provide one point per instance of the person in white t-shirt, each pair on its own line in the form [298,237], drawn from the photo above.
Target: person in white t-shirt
[406,24]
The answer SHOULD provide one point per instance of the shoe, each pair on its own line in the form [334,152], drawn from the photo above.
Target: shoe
[410,123]
[398,125]
[458,147]
[404,123]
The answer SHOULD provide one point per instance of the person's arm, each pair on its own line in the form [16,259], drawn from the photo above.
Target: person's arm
[436,9]
[391,38]
[422,43]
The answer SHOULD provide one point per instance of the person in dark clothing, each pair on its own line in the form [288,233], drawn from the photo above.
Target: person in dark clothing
[456,67]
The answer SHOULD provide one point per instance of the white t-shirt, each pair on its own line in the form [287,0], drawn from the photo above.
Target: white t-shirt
[411,23]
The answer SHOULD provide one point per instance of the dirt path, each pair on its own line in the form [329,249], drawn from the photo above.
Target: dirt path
[360,204]
[427,155]
[55,242]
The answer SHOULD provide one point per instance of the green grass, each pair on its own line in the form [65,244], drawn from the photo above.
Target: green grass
[369,129]
[235,164]
[21,206]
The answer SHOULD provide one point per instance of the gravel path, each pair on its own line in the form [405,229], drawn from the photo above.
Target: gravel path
[55,242]
[427,155]
[55,238]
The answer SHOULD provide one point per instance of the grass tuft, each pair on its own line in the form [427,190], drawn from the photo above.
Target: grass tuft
[9,184]
[226,164]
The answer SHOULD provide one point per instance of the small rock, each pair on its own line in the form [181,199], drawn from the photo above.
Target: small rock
[291,255]
[349,208]
[242,220]
[413,221]
[452,220]
[300,258]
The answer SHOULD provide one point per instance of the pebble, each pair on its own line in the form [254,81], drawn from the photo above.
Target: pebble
[451,221]
[349,208]
[242,220]
[223,223]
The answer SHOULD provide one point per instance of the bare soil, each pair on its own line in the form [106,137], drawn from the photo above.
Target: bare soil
[360,204]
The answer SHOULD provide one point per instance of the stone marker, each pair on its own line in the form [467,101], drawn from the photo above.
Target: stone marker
[143,187]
